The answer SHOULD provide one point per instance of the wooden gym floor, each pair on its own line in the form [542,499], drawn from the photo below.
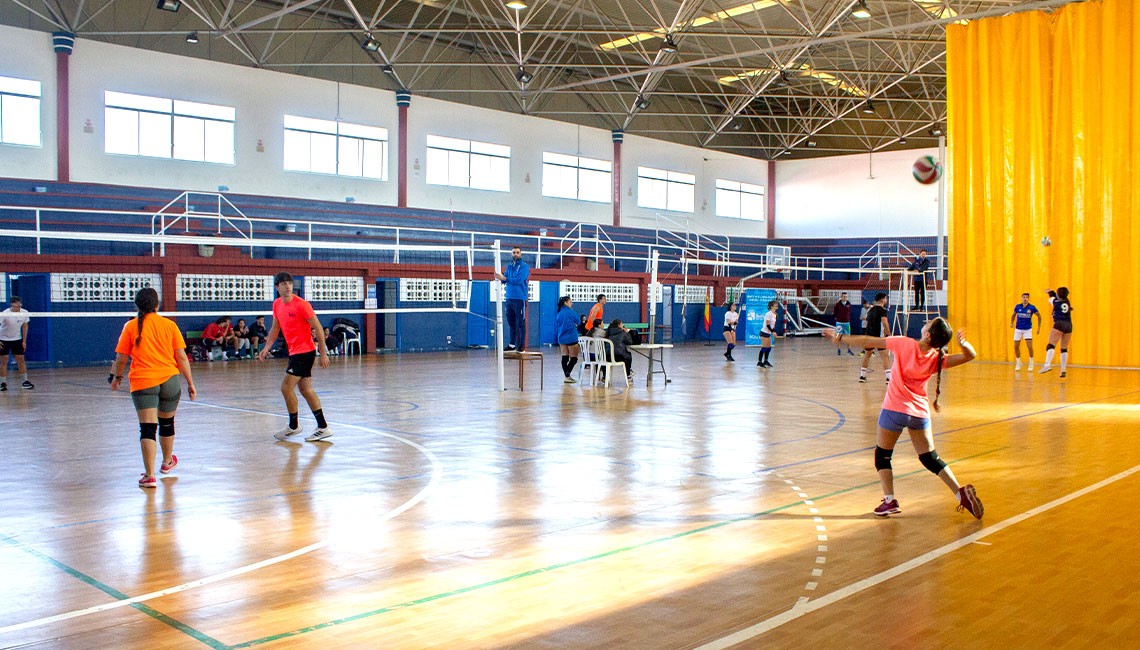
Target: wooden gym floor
[443,514]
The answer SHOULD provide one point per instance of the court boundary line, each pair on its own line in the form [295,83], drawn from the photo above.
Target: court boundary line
[135,601]
[800,610]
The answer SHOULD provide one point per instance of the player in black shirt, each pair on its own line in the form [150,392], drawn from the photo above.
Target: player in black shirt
[1062,328]
[877,326]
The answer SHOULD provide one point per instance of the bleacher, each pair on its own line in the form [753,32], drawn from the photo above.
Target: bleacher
[374,224]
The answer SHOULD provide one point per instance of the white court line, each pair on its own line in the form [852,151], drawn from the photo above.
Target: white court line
[435,474]
[850,590]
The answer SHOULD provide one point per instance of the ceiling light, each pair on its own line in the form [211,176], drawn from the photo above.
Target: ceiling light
[388,69]
[523,76]
[811,143]
[868,108]
[861,10]
[169,5]
[669,46]
[736,125]
[517,6]
[192,37]
[642,102]
[936,131]
[902,140]
[370,44]
[786,152]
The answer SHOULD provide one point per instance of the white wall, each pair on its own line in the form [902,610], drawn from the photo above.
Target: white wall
[28,55]
[855,196]
[814,198]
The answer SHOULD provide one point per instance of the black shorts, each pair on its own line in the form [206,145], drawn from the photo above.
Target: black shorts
[1063,326]
[729,328]
[11,347]
[301,365]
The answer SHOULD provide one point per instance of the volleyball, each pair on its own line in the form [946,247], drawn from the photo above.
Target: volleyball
[927,170]
[1045,241]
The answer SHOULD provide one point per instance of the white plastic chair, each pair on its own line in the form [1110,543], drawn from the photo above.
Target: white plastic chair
[604,349]
[586,353]
[347,342]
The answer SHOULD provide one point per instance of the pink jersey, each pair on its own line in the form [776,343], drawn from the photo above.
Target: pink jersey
[909,373]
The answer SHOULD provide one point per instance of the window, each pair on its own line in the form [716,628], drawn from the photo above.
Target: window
[574,177]
[462,163]
[325,147]
[665,190]
[19,111]
[739,200]
[137,125]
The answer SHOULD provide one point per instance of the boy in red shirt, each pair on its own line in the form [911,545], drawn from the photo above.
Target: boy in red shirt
[294,316]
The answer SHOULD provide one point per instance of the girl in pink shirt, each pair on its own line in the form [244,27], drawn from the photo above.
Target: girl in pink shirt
[906,405]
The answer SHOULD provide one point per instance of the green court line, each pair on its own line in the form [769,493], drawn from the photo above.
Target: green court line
[563,565]
[118,595]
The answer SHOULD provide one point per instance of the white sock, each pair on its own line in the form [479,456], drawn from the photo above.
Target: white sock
[888,498]
[1049,357]
[1064,360]
[24,376]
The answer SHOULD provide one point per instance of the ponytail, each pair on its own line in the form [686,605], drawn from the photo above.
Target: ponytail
[146,300]
[938,382]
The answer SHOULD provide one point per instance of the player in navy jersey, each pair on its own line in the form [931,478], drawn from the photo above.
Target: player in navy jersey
[1062,328]
[1022,323]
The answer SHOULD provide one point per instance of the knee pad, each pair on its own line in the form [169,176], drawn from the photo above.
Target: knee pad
[166,427]
[932,462]
[883,458]
[147,430]
[1050,346]
[1064,350]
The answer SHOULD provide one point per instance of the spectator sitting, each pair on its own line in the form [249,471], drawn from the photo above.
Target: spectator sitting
[596,330]
[583,329]
[332,343]
[257,333]
[619,335]
[216,334]
[241,340]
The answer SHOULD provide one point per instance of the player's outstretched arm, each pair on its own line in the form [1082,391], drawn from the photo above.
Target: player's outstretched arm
[855,340]
[967,355]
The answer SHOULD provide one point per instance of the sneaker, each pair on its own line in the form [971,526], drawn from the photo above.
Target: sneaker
[768,365]
[569,380]
[1062,374]
[850,353]
[27,385]
[148,481]
[887,508]
[287,435]
[862,379]
[1045,368]
[838,353]
[3,386]
[727,356]
[968,500]
[1017,366]
[320,433]
[166,467]
[1030,366]
[730,358]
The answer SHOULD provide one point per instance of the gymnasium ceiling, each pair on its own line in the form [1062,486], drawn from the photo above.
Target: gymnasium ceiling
[761,78]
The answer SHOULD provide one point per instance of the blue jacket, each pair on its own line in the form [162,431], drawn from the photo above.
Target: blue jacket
[566,326]
[518,277]
[919,264]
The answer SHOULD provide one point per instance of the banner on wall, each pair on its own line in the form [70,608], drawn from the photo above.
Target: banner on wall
[754,304]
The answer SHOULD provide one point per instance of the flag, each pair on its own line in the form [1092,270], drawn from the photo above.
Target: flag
[708,309]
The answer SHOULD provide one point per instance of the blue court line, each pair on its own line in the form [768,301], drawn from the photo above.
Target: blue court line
[118,595]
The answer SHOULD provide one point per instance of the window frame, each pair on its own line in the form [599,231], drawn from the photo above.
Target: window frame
[674,182]
[336,129]
[580,166]
[170,113]
[740,191]
[462,154]
[9,88]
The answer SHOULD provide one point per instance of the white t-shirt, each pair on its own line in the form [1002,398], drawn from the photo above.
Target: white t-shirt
[12,324]
[730,318]
[769,322]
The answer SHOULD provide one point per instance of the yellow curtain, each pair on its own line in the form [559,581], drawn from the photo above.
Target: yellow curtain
[1042,142]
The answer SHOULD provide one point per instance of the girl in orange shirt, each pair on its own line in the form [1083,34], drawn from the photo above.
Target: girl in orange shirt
[158,354]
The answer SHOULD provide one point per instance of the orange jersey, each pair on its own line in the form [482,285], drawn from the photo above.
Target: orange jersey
[153,360]
[293,319]
[596,313]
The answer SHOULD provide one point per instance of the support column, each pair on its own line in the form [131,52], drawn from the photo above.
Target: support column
[369,319]
[403,101]
[770,193]
[64,44]
[618,137]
